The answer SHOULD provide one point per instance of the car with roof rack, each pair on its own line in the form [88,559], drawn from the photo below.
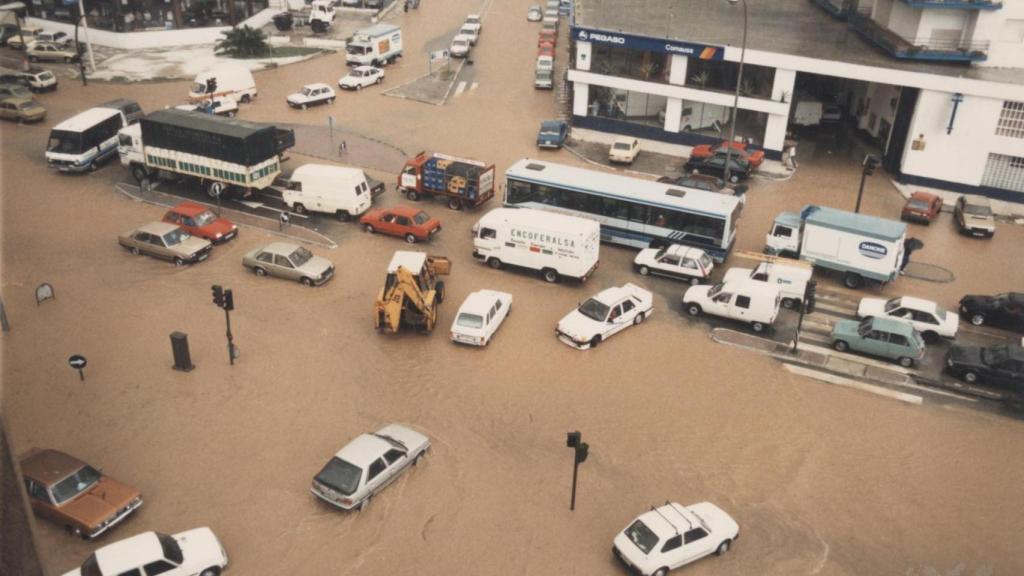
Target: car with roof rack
[673,535]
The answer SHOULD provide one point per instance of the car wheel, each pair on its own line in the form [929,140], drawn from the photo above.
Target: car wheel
[788,303]
[364,503]
[723,547]
[852,280]
[930,337]
[638,319]
[757,327]
[644,270]
[260,271]
[494,263]
[179,262]
[330,100]
[694,310]
[93,167]
[359,87]
[971,377]
[379,78]
[343,216]
[232,114]
[595,341]
[687,128]
[139,172]
[67,60]
[416,460]
[906,362]
[977,319]
[369,229]
[134,250]
[412,195]
[410,238]
[694,281]
[550,275]
[299,208]
[306,281]
[734,178]
[841,345]
[454,204]
[211,571]
[661,572]
[246,99]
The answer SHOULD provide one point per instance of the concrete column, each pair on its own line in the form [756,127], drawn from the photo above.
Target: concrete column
[581,93]
[583,56]
[783,86]
[677,71]
[673,110]
[775,132]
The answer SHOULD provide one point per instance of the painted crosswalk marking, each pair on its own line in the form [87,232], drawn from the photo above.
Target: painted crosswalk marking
[460,88]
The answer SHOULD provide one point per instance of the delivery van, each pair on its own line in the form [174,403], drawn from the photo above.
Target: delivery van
[82,142]
[229,80]
[336,190]
[748,301]
[555,245]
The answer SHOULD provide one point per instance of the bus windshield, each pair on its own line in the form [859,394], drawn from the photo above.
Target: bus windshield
[64,142]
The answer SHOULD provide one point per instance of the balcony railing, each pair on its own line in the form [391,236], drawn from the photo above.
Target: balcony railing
[958,4]
[918,48]
[838,9]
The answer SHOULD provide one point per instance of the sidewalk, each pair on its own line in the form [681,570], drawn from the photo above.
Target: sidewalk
[367,153]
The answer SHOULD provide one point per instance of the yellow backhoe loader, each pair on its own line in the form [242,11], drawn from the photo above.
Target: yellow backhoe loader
[411,292]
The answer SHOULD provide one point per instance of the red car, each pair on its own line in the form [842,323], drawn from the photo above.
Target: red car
[548,36]
[546,49]
[754,157]
[922,207]
[410,223]
[199,221]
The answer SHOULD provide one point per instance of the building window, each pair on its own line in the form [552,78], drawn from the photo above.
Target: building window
[630,63]
[1004,172]
[1011,120]
[633,107]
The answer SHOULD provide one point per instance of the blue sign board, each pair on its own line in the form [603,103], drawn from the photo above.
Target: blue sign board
[688,49]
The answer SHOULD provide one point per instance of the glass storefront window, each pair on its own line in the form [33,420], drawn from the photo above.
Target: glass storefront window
[634,107]
[720,76]
[630,63]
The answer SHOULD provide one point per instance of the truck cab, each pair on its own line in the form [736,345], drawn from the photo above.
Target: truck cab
[784,237]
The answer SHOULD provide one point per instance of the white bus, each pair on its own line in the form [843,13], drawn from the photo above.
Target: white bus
[632,212]
[82,142]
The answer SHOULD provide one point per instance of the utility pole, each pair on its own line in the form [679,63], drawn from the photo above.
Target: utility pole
[870,163]
[736,97]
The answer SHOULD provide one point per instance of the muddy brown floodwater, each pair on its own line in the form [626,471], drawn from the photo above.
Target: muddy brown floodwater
[821,479]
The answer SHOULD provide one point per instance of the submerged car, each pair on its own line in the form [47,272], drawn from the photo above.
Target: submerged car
[366,465]
[739,169]
[200,221]
[534,14]
[51,52]
[167,242]
[881,337]
[195,552]
[691,265]
[922,207]
[543,79]
[1006,310]
[291,262]
[219,105]
[605,314]
[997,366]
[71,493]
[21,109]
[311,95]
[973,216]
[927,317]
[480,316]
[552,134]
[361,77]
[413,224]
[460,46]
[673,535]
[624,150]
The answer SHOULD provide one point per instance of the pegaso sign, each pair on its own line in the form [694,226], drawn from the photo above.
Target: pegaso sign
[702,51]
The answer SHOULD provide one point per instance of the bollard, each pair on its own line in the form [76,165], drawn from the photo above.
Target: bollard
[182,358]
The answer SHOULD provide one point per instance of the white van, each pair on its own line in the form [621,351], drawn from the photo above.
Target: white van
[791,279]
[553,244]
[82,142]
[330,189]
[754,303]
[229,80]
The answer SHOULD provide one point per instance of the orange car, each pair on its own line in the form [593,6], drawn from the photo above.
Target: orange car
[412,224]
[922,207]
[198,220]
[74,494]
[755,157]
[549,36]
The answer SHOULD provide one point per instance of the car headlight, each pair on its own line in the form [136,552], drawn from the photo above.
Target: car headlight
[218,235]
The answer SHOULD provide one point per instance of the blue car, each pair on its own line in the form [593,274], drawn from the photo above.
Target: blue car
[553,134]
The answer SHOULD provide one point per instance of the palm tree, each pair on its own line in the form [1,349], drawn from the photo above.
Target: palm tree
[242,42]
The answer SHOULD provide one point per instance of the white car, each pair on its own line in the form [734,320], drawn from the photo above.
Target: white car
[220,106]
[927,317]
[480,316]
[360,77]
[692,265]
[194,552]
[368,464]
[534,14]
[624,149]
[545,63]
[474,21]
[460,46]
[470,31]
[606,313]
[673,535]
[311,95]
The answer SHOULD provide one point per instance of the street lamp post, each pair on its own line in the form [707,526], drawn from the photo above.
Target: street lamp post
[736,98]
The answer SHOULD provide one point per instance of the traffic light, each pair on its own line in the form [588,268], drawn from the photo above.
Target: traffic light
[573,439]
[229,300]
[581,452]
[211,85]
[810,291]
[218,295]
[870,163]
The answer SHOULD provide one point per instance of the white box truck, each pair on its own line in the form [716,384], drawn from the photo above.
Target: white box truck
[228,80]
[377,45]
[335,190]
[791,279]
[553,244]
[859,246]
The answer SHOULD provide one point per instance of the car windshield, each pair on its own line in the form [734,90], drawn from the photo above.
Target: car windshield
[45,76]
[176,236]
[918,204]
[705,261]
[715,290]
[594,309]
[864,327]
[994,355]
[340,475]
[892,305]
[622,146]
[199,88]
[470,320]
[307,91]
[544,74]
[64,142]
[75,484]
[300,256]
[546,128]
[357,50]
[977,210]
[27,105]
[459,42]
[661,252]
[204,219]
[91,567]
[170,548]
[420,218]
[639,534]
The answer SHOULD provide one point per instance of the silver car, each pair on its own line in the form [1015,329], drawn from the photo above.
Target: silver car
[289,261]
[166,241]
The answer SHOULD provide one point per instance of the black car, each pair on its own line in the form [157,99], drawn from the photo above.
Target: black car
[739,169]
[18,79]
[1002,309]
[997,366]
[704,182]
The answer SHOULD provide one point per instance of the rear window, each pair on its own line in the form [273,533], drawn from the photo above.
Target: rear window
[639,534]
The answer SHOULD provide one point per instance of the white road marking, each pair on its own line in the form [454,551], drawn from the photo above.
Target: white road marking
[840,381]
[474,85]
[459,89]
[251,204]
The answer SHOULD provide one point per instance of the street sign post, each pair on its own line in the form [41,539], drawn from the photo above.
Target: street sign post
[78,362]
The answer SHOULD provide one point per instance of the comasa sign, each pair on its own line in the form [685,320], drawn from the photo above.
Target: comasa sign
[689,49]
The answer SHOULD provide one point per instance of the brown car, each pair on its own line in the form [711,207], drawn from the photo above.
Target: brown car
[70,492]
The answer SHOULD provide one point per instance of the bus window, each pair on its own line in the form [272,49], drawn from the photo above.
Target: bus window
[519,192]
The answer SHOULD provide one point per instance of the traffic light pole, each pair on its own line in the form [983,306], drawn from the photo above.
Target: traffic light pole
[231,339]
[226,299]
[575,469]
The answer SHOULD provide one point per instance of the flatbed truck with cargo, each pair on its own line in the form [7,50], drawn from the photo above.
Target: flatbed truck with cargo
[465,183]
